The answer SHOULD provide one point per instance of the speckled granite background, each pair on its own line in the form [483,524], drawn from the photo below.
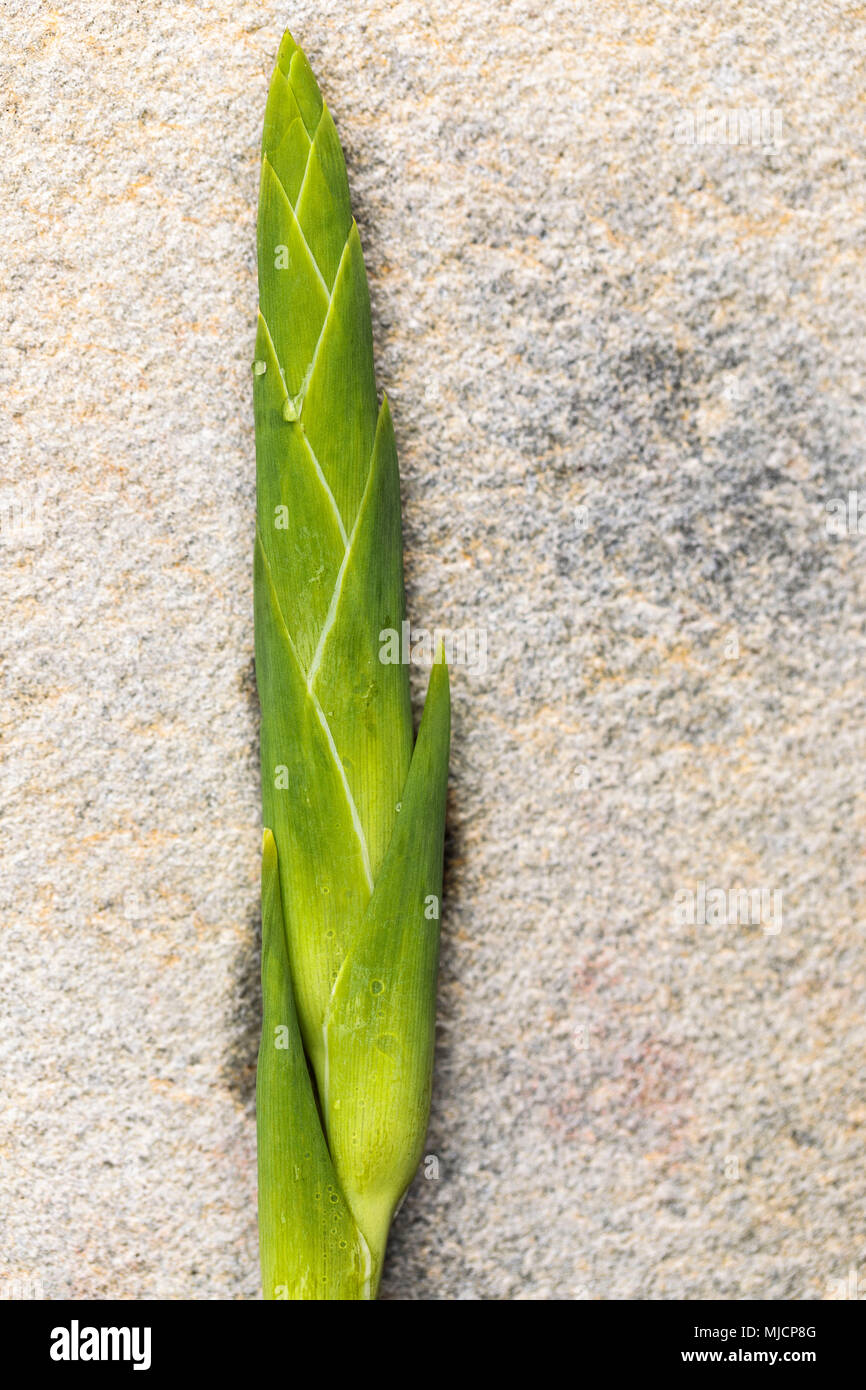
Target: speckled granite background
[625,353]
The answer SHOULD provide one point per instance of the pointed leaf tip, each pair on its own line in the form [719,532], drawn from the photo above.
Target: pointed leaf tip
[287,50]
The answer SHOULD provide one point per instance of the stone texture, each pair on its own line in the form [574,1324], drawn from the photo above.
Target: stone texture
[626,374]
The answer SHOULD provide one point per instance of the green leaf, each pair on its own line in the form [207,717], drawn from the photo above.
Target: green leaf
[310,1245]
[306,90]
[300,530]
[288,159]
[372,722]
[293,297]
[281,110]
[339,411]
[379,1028]
[286,52]
[323,870]
[323,205]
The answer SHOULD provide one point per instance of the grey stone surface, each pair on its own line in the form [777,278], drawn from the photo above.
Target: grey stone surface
[627,378]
